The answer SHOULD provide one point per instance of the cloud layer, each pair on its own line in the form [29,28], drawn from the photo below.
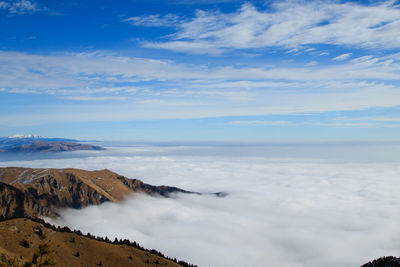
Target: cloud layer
[162,89]
[280,212]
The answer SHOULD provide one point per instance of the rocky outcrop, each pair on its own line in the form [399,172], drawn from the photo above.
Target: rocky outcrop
[388,261]
[42,192]
[16,202]
[12,201]
[138,186]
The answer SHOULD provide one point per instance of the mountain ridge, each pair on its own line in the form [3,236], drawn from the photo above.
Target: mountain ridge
[20,140]
[26,194]
[50,146]
[42,192]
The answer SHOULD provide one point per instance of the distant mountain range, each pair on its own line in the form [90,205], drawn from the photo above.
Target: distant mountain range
[20,140]
[35,143]
[26,136]
[42,146]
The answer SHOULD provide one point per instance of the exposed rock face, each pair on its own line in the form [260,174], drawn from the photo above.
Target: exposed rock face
[12,200]
[41,192]
[15,202]
[43,146]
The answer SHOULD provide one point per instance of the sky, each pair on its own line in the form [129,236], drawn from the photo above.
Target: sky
[199,70]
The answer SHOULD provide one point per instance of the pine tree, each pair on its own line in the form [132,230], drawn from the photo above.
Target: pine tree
[42,256]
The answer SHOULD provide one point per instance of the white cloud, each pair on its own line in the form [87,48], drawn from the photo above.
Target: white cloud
[342,57]
[300,50]
[260,123]
[58,70]
[369,122]
[375,119]
[366,122]
[95,98]
[188,47]
[19,7]
[284,212]
[355,125]
[168,20]
[191,2]
[284,25]
[312,63]
[360,59]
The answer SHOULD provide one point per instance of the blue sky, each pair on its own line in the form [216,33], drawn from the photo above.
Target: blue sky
[201,70]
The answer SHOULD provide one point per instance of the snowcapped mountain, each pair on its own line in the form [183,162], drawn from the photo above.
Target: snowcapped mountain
[20,140]
[26,136]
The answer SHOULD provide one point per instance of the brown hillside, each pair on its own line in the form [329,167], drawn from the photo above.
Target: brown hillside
[41,192]
[20,237]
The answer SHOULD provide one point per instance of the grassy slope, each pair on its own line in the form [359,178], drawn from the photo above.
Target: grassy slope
[91,251]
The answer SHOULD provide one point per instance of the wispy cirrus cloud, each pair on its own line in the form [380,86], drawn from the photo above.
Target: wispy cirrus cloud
[157,20]
[334,123]
[312,63]
[199,47]
[89,72]
[362,124]
[367,122]
[96,98]
[20,7]
[260,123]
[146,87]
[374,119]
[284,25]
[342,57]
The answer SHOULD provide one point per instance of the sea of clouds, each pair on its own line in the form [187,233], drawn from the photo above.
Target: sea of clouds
[287,205]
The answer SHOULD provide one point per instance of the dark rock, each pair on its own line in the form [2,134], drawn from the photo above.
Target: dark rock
[388,261]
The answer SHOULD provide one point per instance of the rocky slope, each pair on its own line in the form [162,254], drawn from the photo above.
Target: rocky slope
[42,192]
[21,237]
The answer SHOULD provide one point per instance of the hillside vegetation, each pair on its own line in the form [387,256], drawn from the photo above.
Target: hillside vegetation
[20,238]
